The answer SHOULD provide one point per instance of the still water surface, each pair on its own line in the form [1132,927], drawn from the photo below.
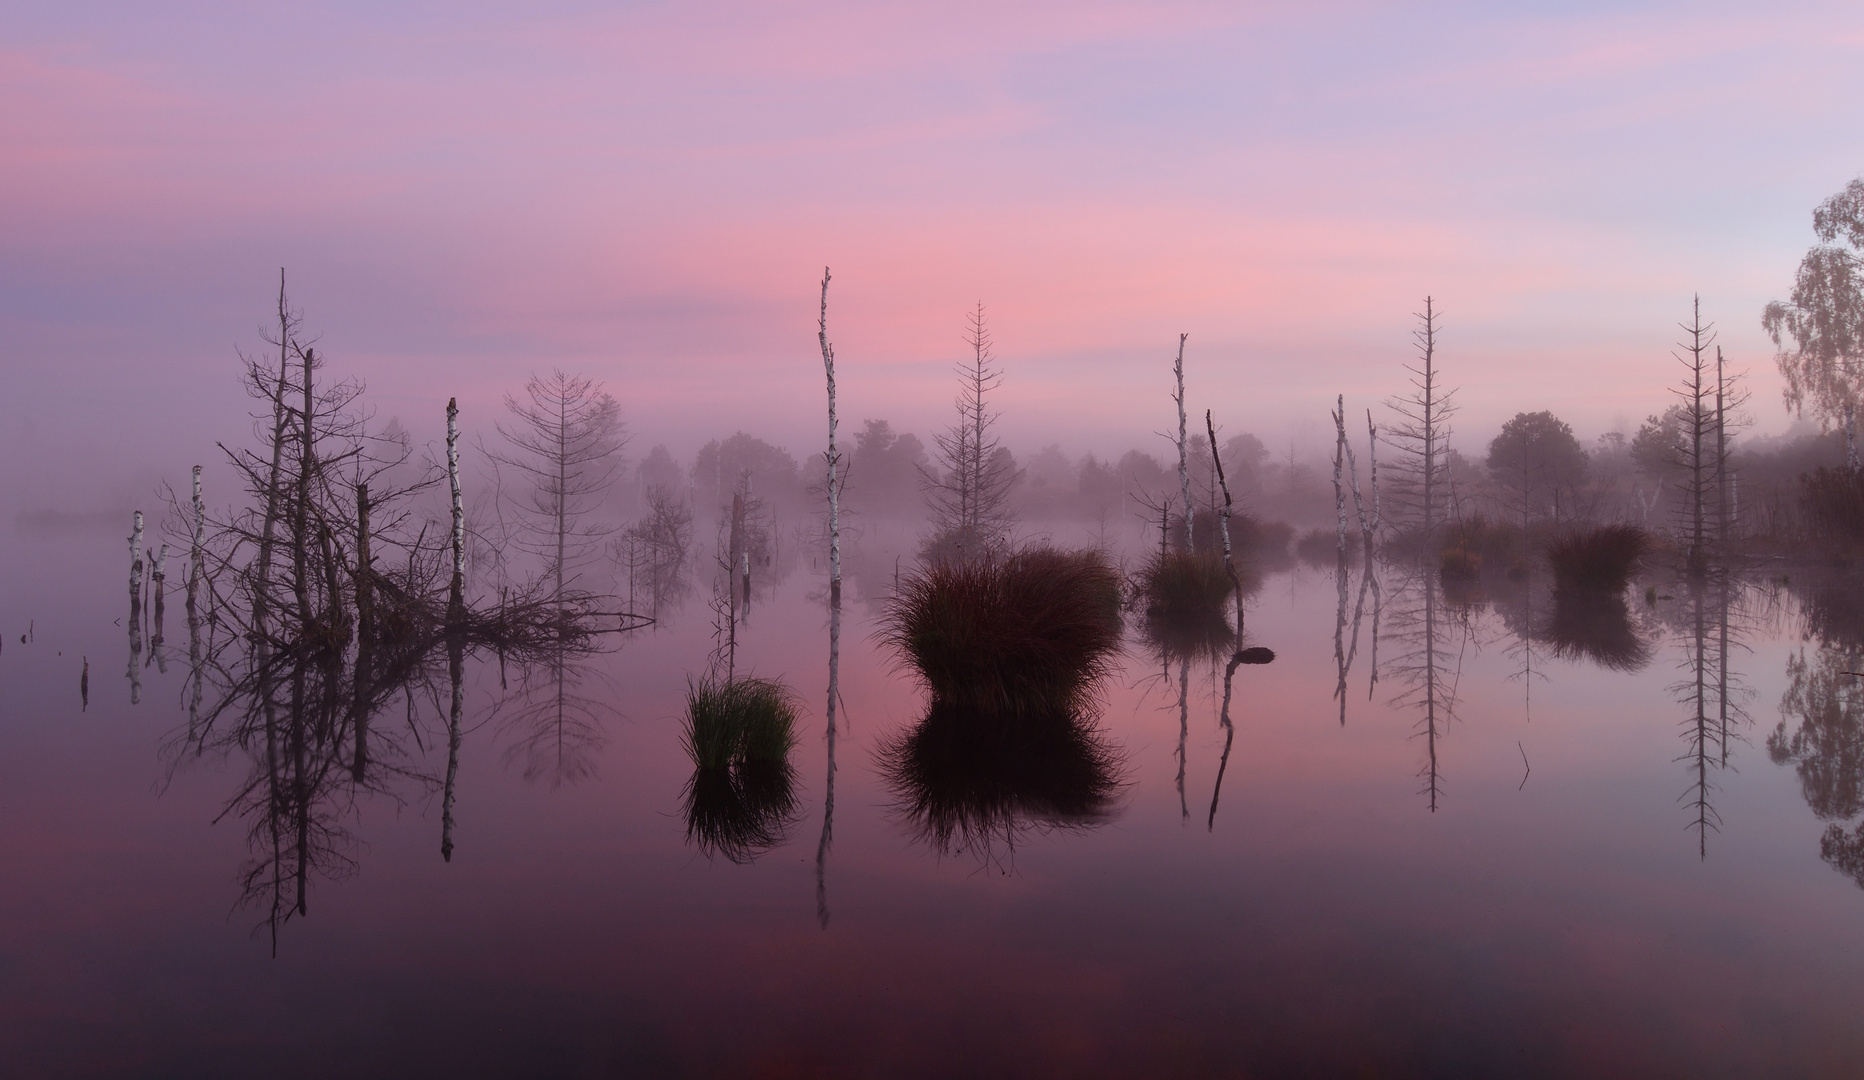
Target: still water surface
[1598,891]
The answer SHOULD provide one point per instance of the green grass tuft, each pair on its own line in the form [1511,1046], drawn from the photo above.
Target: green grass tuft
[740,720]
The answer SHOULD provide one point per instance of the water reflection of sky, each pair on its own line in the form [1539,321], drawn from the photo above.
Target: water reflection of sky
[1327,921]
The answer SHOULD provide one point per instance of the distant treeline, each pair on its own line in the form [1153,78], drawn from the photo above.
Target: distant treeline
[889,472]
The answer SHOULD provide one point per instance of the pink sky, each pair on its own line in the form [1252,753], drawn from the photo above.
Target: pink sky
[465,193]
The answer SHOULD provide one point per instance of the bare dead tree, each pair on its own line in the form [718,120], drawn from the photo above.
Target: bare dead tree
[832,462]
[1696,454]
[1184,470]
[564,437]
[657,546]
[969,489]
[325,601]
[1421,437]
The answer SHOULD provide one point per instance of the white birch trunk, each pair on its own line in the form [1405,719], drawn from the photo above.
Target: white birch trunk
[832,460]
[458,504]
[1372,454]
[1339,465]
[135,557]
[200,534]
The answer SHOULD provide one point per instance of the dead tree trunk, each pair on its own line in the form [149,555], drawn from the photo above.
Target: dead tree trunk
[1339,464]
[365,636]
[1184,471]
[1223,531]
[456,595]
[833,461]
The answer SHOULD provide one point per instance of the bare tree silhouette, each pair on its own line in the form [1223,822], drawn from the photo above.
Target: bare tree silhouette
[969,488]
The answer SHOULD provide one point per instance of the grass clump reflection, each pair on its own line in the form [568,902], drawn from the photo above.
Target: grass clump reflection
[970,784]
[741,798]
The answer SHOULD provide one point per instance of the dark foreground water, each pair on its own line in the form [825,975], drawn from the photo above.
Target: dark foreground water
[1601,889]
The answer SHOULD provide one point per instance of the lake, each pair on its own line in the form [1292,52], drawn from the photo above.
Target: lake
[1509,849]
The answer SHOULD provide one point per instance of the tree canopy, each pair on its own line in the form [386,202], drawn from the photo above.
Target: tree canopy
[1820,330]
[1538,459]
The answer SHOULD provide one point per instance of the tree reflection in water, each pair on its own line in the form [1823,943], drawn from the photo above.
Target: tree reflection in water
[1708,628]
[1431,643]
[321,731]
[1345,645]
[1206,636]
[1821,730]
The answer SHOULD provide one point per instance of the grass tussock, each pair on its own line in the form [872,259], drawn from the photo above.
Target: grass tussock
[739,721]
[969,785]
[1025,635]
[1179,584]
[1600,560]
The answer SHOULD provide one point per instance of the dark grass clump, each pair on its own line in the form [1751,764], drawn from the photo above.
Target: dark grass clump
[741,799]
[735,721]
[1183,585]
[1598,560]
[1025,636]
[1595,627]
[968,784]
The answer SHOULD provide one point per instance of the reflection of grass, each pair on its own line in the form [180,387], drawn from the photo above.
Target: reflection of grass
[1596,627]
[739,720]
[1181,584]
[969,783]
[743,811]
[1598,560]
[1200,634]
[1026,635]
